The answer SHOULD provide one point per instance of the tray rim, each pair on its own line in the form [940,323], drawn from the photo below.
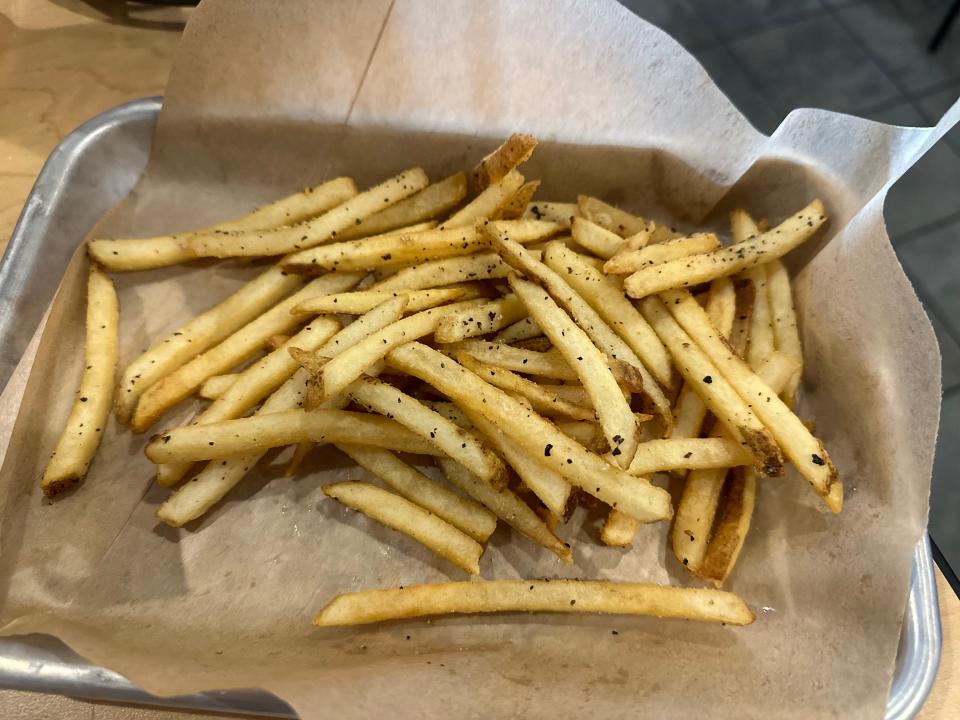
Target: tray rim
[26,665]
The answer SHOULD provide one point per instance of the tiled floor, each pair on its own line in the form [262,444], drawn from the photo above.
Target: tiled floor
[869,58]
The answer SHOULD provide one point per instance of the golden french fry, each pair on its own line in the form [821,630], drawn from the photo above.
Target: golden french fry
[280,241]
[453,441]
[530,362]
[743,320]
[507,506]
[200,334]
[515,206]
[480,320]
[730,260]
[148,253]
[760,341]
[412,520]
[214,387]
[600,241]
[514,151]
[798,444]
[487,203]
[362,301]
[609,217]
[557,212]
[520,330]
[688,454]
[534,434]
[235,349]
[447,271]
[704,377]
[590,596]
[784,317]
[262,432]
[431,202]
[736,514]
[465,515]
[629,261]
[81,435]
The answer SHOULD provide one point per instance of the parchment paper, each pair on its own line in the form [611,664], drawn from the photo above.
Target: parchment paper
[266,97]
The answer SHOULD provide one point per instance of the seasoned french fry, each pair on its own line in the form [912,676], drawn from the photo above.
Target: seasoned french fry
[200,334]
[688,454]
[262,432]
[728,260]
[598,240]
[619,530]
[704,377]
[545,364]
[342,370]
[431,202]
[91,409]
[280,241]
[557,212]
[486,204]
[520,330]
[607,299]
[506,506]
[798,444]
[453,441]
[214,387]
[562,596]
[514,151]
[540,396]
[736,514]
[253,384]
[617,419]
[404,248]
[361,301]
[609,217]
[148,253]
[515,206]
[232,351]
[465,515]
[533,433]
[784,318]
[629,261]
[436,273]
[743,320]
[412,520]
[480,320]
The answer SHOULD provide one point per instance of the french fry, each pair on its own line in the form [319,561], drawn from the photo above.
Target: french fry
[619,530]
[361,301]
[548,485]
[346,367]
[405,248]
[516,204]
[617,419]
[412,520]
[545,364]
[728,260]
[561,596]
[232,351]
[252,385]
[453,441]
[465,515]
[280,241]
[200,334]
[760,338]
[798,444]
[705,378]
[431,202]
[784,317]
[148,253]
[629,261]
[557,212]
[512,153]
[480,320]
[520,330]
[535,434]
[575,394]
[436,273]
[609,217]
[743,320]
[688,454]
[507,506]
[701,490]
[487,203]
[598,240]
[214,387]
[606,297]
[540,396]
[262,432]
[736,514]
[81,435]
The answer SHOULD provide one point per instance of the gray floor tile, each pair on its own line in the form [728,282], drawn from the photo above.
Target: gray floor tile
[897,39]
[936,104]
[930,191]
[903,114]
[945,494]
[813,63]
[730,78]
[933,263]
[949,354]
[732,19]
[676,18]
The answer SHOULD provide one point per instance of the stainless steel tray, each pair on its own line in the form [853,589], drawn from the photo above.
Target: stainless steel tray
[90,171]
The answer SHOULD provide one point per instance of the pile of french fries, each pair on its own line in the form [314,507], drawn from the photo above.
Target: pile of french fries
[543,355]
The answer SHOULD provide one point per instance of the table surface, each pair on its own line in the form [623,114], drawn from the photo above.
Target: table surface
[64,61]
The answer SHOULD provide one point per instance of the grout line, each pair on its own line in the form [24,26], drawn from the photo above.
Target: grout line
[950,391]
[366,69]
[905,238]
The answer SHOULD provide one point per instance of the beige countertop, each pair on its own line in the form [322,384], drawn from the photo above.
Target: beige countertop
[61,63]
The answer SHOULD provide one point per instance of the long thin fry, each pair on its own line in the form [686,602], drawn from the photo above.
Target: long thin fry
[361,301]
[479,320]
[412,520]
[148,253]
[259,243]
[729,260]
[553,211]
[609,217]
[732,527]
[632,260]
[761,342]
[232,351]
[520,330]
[545,364]
[447,271]
[200,334]
[515,206]
[91,409]
[514,151]
[784,317]
[486,204]
[590,596]
[214,387]
[690,453]
[600,241]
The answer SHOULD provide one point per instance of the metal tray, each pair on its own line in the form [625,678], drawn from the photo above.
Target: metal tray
[89,172]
